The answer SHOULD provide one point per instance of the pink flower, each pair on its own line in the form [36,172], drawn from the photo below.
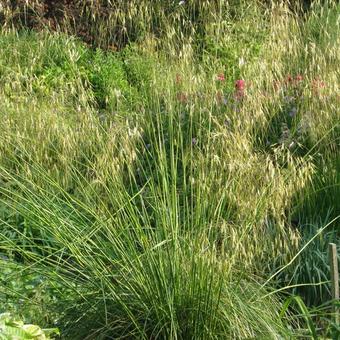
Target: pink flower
[317,85]
[299,77]
[240,85]
[220,77]
[289,79]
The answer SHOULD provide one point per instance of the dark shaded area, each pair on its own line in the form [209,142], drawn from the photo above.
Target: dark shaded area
[92,20]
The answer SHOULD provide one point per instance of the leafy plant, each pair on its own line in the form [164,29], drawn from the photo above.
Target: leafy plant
[310,273]
[11,328]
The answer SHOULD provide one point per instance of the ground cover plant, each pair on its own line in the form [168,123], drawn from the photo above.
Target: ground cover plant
[169,170]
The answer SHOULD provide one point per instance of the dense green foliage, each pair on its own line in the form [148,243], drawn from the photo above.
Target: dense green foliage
[182,186]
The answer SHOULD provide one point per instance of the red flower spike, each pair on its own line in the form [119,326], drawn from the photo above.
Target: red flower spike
[240,84]
[289,79]
[299,77]
[317,85]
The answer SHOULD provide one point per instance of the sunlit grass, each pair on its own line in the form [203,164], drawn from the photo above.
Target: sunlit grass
[148,189]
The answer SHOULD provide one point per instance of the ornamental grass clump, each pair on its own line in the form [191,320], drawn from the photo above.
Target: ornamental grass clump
[158,190]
